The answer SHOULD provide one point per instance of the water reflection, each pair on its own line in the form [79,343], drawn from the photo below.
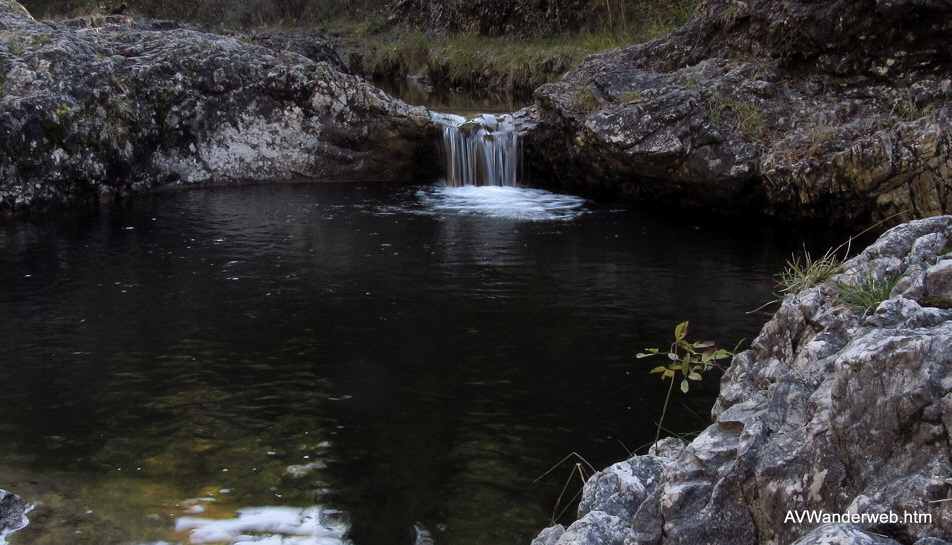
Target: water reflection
[384,351]
[268,526]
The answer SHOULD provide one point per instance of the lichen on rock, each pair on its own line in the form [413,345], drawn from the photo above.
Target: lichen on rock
[830,111]
[111,104]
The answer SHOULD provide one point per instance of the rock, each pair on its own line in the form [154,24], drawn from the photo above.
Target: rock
[307,43]
[839,112]
[12,512]
[110,105]
[549,536]
[831,410]
[842,534]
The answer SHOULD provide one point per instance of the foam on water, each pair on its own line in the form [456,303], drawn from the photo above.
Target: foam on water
[513,203]
[268,526]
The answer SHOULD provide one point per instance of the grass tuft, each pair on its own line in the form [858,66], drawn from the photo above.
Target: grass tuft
[808,272]
[867,290]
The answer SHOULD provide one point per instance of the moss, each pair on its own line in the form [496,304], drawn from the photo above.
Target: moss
[946,249]
[743,118]
[586,101]
[936,301]
[630,97]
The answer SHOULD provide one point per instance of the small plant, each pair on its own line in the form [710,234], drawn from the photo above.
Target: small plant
[800,275]
[630,97]
[744,119]
[867,290]
[691,359]
[15,44]
[586,101]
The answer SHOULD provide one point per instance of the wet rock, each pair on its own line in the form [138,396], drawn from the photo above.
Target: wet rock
[804,110]
[12,512]
[110,105]
[831,410]
[843,534]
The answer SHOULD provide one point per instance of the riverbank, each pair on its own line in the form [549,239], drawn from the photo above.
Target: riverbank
[835,409]
[111,105]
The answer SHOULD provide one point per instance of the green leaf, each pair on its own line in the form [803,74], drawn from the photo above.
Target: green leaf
[704,344]
[672,356]
[659,369]
[681,330]
[686,365]
[640,355]
[668,373]
[694,376]
[685,386]
[721,354]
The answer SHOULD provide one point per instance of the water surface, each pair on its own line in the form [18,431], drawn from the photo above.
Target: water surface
[322,363]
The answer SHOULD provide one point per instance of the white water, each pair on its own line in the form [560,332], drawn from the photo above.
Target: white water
[482,163]
[483,150]
[512,203]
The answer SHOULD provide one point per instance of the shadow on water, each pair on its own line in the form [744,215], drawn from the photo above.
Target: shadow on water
[396,357]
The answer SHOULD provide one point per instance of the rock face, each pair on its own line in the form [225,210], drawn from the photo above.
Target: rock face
[109,105]
[804,109]
[12,513]
[833,410]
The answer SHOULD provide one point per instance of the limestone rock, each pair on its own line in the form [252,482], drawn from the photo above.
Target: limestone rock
[12,512]
[831,111]
[109,105]
[832,410]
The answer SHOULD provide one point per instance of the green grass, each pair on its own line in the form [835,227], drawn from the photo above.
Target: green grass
[744,119]
[867,290]
[808,272]
[468,60]
[504,62]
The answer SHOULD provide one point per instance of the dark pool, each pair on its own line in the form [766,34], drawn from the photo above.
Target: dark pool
[376,363]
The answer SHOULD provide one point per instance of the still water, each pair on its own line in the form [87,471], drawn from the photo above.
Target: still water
[323,363]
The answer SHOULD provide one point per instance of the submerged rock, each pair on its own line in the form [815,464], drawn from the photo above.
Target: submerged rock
[833,410]
[106,105]
[839,111]
[12,513]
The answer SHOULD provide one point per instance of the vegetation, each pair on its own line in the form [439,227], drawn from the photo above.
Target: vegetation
[800,275]
[744,119]
[586,101]
[867,290]
[541,48]
[690,359]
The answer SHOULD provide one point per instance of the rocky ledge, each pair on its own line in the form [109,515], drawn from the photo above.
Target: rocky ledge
[13,512]
[805,109]
[832,410]
[108,105]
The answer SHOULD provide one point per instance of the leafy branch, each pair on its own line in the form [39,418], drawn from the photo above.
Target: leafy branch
[690,359]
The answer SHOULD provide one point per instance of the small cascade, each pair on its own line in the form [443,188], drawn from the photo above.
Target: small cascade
[483,150]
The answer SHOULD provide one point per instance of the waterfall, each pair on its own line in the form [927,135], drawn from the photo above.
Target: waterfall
[483,150]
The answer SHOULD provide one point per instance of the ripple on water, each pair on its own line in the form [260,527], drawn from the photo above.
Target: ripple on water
[513,203]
